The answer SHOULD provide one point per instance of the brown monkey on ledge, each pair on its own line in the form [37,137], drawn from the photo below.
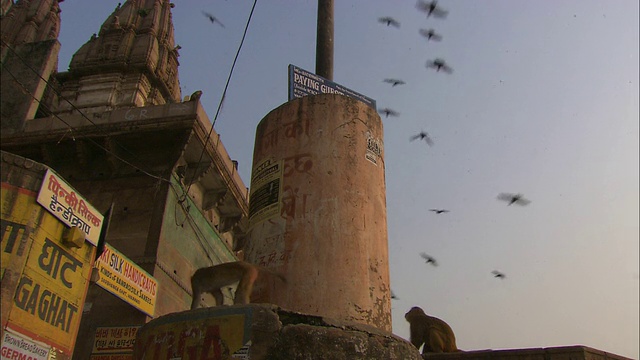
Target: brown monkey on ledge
[436,334]
[211,279]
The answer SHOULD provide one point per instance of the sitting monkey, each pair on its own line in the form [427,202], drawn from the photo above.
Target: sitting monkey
[436,334]
[211,279]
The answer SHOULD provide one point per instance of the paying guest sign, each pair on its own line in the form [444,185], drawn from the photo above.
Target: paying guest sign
[62,200]
[303,83]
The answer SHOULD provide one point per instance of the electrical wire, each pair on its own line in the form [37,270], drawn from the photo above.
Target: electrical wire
[208,250]
[224,92]
[182,198]
[71,129]
[53,88]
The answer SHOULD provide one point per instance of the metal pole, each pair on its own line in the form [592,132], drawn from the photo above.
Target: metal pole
[324,39]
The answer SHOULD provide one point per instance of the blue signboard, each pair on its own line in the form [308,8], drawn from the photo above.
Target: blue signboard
[303,83]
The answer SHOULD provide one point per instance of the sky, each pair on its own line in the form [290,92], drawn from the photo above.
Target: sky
[543,101]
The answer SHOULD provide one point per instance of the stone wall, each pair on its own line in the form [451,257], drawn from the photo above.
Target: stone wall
[263,331]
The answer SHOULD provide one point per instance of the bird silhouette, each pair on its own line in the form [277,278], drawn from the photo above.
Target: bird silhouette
[498,274]
[429,259]
[387,112]
[212,18]
[430,34]
[423,135]
[513,199]
[389,21]
[439,64]
[393,296]
[394,82]
[431,8]
[439,211]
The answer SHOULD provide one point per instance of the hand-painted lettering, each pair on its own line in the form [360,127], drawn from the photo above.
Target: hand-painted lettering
[44,303]
[10,233]
[54,258]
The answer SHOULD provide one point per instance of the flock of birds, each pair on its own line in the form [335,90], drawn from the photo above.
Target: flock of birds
[432,9]
[511,199]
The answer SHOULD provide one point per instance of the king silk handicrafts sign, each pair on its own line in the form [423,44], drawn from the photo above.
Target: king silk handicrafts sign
[303,83]
[126,280]
[60,199]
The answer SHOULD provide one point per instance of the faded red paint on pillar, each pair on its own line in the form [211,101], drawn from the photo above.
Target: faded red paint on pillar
[318,210]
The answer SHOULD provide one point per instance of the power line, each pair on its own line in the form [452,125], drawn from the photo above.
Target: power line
[200,235]
[224,92]
[53,88]
[71,128]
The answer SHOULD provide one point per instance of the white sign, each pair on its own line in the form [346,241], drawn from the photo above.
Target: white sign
[15,346]
[64,203]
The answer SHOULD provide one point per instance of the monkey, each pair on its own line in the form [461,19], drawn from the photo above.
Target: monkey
[211,279]
[436,334]
[195,96]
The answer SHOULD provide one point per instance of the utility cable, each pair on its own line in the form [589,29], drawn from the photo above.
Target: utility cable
[71,128]
[224,92]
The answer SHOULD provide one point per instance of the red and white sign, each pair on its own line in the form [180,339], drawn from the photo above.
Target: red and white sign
[16,346]
[72,209]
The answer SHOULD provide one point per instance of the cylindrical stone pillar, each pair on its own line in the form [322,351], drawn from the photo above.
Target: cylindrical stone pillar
[318,210]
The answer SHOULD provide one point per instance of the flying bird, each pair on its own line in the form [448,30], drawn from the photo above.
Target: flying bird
[212,18]
[431,8]
[393,296]
[423,135]
[389,21]
[394,82]
[513,199]
[439,211]
[429,259]
[439,64]
[387,112]
[430,34]
[498,274]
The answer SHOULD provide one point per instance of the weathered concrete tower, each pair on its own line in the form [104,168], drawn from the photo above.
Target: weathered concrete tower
[318,210]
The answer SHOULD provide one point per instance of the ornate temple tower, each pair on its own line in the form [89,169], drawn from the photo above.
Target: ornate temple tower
[132,61]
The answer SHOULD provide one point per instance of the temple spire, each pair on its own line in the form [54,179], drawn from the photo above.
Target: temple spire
[131,61]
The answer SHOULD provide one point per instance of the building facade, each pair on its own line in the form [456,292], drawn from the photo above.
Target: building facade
[118,129]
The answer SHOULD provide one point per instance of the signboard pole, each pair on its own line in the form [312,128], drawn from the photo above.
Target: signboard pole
[324,39]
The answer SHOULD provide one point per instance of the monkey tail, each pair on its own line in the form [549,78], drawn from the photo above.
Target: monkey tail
[275,273]
[281,277]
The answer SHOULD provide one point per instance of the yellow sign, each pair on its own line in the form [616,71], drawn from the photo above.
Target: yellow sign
[53,282]
[60,199]
[126,280]
[118,339]
[194,336]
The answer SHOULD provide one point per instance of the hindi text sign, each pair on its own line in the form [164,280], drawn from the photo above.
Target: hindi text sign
[60,199]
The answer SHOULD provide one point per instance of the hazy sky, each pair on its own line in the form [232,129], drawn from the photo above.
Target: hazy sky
[543,101]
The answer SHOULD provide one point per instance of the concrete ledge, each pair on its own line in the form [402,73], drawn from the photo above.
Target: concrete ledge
[575,352]
[264,331]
